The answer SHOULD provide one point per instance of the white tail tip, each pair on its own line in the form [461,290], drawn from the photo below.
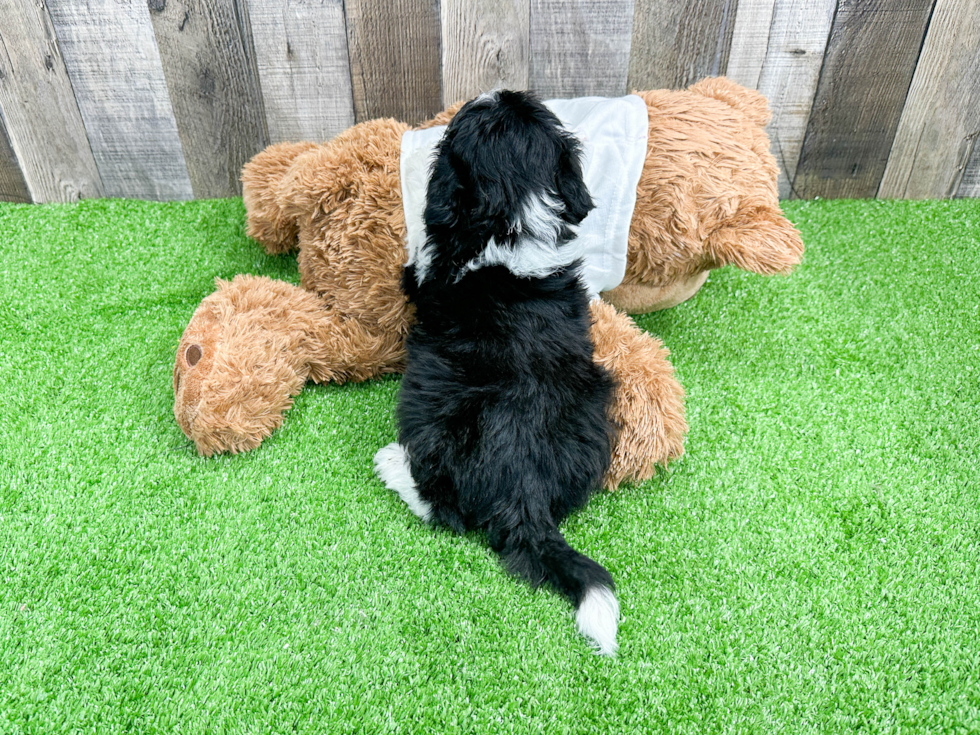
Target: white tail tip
[598,618]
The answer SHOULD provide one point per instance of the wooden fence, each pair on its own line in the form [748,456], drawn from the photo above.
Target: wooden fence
[166,99]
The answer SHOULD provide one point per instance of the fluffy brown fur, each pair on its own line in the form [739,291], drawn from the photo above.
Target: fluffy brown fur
[706,198]
[649,406]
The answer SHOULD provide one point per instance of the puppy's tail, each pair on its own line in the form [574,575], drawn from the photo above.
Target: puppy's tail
[542,555]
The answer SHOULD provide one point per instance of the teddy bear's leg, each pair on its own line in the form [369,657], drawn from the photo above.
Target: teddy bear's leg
[757,237]
[642,298]
[649,406]
[266,221]
[250,347]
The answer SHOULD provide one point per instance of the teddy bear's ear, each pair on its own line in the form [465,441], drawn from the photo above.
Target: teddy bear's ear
[262,176]
[308,181]
[757,238]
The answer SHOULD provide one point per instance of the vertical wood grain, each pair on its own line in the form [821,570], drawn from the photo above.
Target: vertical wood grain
[112,61]
[941,118]
[750,41]
[970,185]
[209,63]
[304,67]
[13,188]
[45,129]
[394,58]
[485,45]
[169,100]
[675,43]
[871,56]
[794,54]
[580,47]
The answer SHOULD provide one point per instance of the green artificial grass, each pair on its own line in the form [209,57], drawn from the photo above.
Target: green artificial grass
[810,565]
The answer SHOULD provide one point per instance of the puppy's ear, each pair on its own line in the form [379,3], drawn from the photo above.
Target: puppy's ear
[443,189]
[570,184]
[494,199]
[468,185]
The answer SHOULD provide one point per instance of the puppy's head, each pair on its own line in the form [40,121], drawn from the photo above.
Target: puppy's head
[505,170]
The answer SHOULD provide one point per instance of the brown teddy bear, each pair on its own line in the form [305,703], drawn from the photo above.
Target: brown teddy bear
[706,198]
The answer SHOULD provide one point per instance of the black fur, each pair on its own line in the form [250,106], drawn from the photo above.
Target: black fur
[502,411]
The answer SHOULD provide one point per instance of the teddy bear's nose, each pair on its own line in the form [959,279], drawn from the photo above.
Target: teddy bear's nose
[193,355]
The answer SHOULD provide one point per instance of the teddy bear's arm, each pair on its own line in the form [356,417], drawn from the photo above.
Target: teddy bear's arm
[250,348]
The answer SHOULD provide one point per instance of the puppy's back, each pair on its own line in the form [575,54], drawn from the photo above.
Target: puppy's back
[503,414]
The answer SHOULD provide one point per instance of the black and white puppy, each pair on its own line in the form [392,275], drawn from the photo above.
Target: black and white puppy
[503,415]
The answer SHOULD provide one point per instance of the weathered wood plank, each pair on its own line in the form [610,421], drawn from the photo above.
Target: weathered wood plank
[797,40]
[304,67]
[394,58]
[209,64]
[114,67]
[485,45]
[970,185]
[580,47]
[13,188]
[39,109]
[678,42]
[750,41]
[870,60]
[941,119]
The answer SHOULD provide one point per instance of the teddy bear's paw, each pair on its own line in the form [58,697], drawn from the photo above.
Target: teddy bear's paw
[392,467]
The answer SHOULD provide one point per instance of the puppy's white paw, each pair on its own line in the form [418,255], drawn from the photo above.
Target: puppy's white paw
[392,467]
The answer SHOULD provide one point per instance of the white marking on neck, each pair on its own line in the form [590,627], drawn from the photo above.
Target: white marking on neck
[536,252]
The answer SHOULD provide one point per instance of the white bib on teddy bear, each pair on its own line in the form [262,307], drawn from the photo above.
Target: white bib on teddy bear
[613,134]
